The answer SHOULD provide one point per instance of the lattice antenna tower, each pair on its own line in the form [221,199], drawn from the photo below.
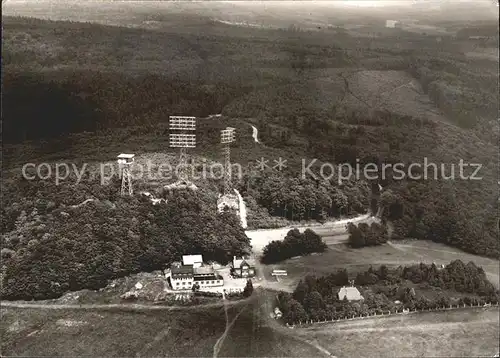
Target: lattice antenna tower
[227,137]
[124,163]
[183,136]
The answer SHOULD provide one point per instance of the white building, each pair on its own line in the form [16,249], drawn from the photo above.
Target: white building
[192,271]
[181,276]
[277,313]
[351,293]
[206,276]
[391,23]
[194,260]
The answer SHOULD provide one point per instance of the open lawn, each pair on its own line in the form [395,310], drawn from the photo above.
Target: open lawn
[462,333]
[340,256]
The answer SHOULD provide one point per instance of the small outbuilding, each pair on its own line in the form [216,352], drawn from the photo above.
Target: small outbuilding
[351,293]
[194,260]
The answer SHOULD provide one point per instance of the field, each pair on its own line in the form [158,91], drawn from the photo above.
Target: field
[468,333]
[247,332]
[340,256]
[245,12]
[395,91]
[110,334]
[487,53]
[192,332]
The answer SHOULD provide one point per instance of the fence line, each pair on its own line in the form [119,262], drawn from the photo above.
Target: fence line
[389,313]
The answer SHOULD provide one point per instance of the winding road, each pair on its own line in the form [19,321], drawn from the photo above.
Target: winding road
[333,232]
[243,210]
[255,134]
[122,306]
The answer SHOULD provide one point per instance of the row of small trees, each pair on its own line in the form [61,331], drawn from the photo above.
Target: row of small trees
[477,303]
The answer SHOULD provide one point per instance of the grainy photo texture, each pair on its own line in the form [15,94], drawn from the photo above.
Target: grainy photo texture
[250,178]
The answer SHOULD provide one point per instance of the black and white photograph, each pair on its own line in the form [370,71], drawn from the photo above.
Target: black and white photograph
[304,179]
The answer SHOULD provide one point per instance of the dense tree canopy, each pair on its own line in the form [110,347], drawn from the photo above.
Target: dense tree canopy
[52,247]
[366,235]
[63,103]
[295,243]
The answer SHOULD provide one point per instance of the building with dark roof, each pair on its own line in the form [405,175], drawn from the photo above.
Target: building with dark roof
[181,276]
[243,267]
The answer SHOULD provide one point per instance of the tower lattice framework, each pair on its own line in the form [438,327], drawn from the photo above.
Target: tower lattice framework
[182,136]
[124,163]
[182,169]
[126,187]
[227,137]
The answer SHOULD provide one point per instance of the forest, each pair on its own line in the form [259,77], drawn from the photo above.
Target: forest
[286,195]
[461,213]
[63,102]
[366,235]
[416,287]
[112,81]
[50,247]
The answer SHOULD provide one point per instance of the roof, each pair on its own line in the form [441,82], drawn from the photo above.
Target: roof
[126,156]
[203,270]
[180,185]
[239,262]
[191,259]
[352,293]
[181,270]
[208,278]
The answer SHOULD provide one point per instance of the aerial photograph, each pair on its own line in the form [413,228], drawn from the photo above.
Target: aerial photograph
[250,178]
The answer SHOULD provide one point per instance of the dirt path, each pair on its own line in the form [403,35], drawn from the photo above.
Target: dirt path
[255,134]
[266,306]
[316,345]
[295,335]
[162,334]
[243,210]
[124,306]
[220,341]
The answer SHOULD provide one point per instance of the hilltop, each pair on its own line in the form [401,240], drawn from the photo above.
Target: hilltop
[98,90]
